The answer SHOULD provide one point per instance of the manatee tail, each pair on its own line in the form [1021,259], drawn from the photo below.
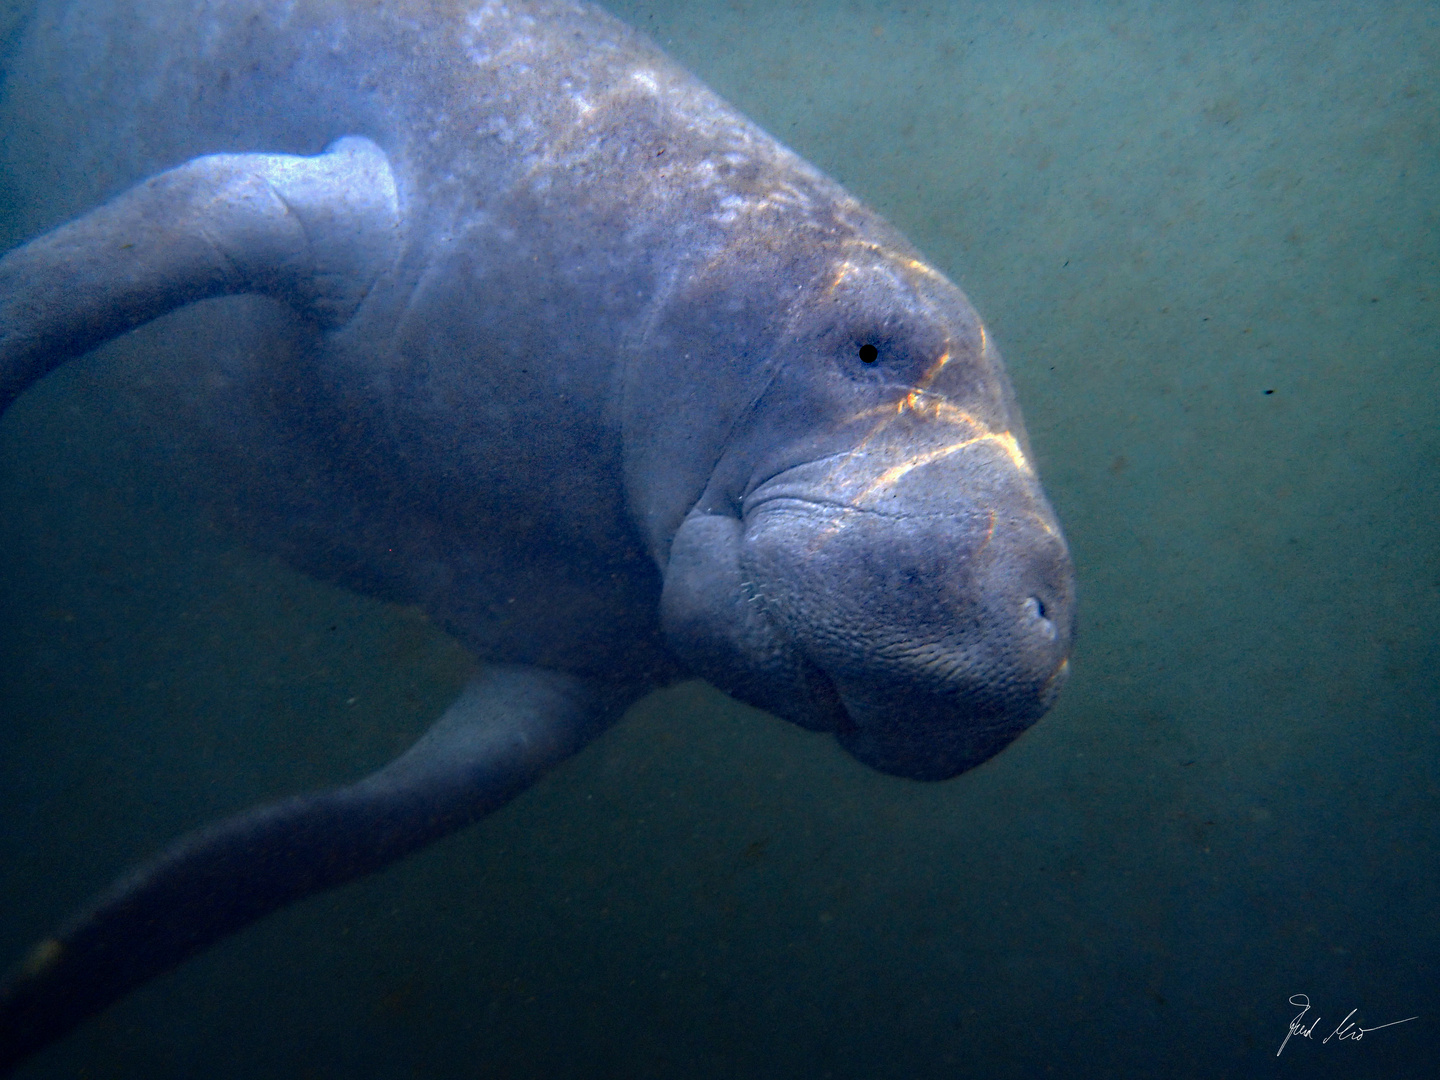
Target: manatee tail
[507,728]
[316,232]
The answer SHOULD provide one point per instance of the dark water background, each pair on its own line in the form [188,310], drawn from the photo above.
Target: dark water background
[1165,212]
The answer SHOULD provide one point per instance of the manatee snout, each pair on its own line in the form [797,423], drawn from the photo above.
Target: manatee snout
[943,636]
[926,642]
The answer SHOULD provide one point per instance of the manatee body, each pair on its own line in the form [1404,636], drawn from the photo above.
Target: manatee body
[545,338]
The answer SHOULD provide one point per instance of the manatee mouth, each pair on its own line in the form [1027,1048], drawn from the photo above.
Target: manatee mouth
[924,741]
[825,707]
[907,731]
[933,738]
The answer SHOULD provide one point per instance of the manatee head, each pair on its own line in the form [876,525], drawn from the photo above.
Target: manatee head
[872,554]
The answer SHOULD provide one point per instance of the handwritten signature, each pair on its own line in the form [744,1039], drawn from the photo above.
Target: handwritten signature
[1346,1030]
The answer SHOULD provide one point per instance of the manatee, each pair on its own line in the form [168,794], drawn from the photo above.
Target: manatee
[610,383]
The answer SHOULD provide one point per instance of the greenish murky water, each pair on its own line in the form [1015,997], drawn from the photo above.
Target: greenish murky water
[1207,238]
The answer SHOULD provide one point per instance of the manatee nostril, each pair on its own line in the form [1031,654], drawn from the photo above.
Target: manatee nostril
[1034,609]
[827,701]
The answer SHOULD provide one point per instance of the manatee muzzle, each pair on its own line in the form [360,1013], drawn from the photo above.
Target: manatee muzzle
[926,642]
[941,636]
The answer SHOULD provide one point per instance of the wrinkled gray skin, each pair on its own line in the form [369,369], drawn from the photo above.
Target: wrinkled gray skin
[557,346]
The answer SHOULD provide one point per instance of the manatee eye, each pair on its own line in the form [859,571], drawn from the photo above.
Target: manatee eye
[868,353]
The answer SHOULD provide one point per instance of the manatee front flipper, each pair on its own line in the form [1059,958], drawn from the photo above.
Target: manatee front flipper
[508,727]
[316,232]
